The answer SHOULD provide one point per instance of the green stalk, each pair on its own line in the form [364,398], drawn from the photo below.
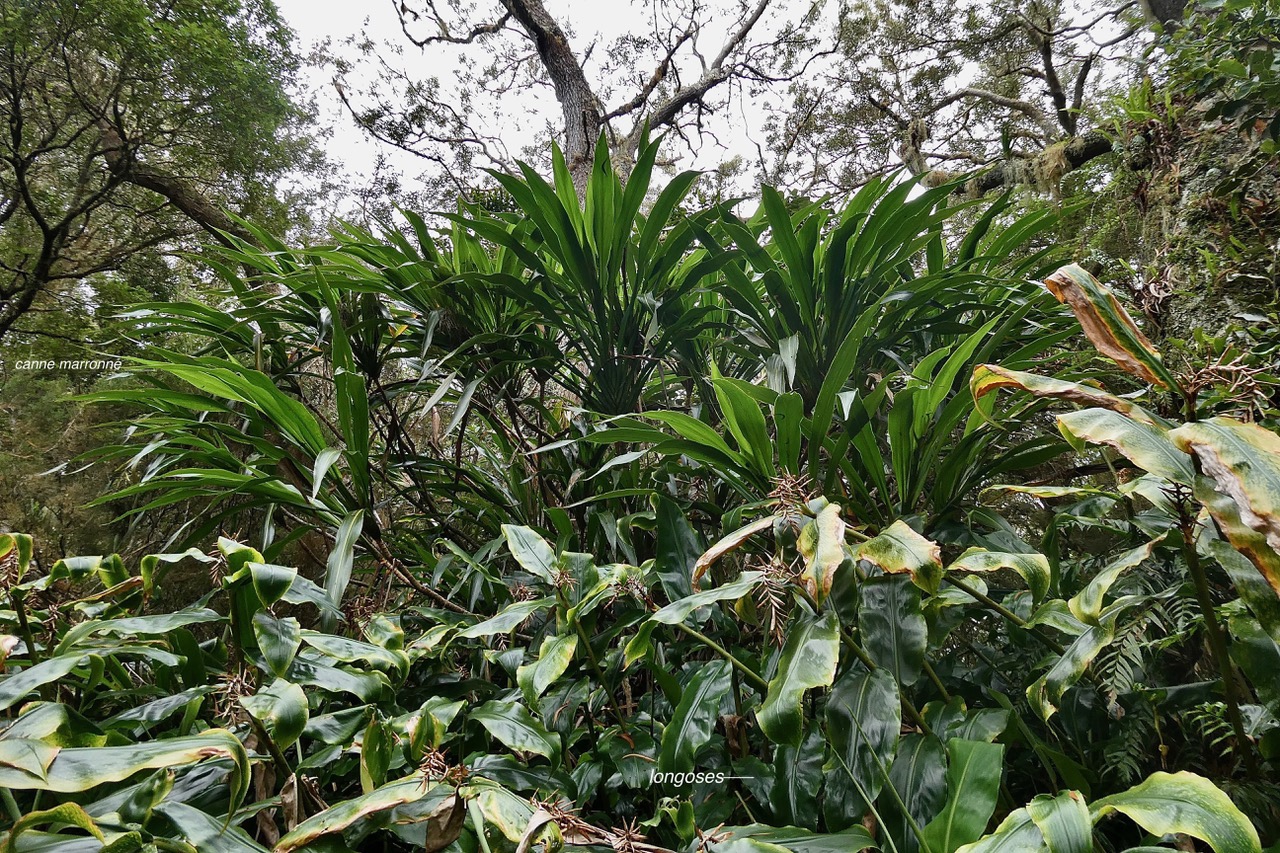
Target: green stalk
[10,805]
[937,682]
[277,757]
[596,668]
[747,672]
[477,821]
[997,607]
[1217,643]
[24,626]
[861,654]
[912,824]
[1212,628]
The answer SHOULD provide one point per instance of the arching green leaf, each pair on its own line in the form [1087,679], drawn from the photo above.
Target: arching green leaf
[808,660]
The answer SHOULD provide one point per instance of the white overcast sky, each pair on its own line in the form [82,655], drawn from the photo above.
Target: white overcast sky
[600,21]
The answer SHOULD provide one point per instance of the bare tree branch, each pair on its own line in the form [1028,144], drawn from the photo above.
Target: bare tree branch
[403,12]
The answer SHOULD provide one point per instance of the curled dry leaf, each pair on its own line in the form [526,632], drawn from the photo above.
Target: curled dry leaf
[991,377]
[1108,326]
[728,543]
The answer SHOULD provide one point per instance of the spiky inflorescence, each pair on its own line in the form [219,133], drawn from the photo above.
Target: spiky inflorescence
[628,838]
[226,698]
[1236,382]
[792,491]
[773,599]
[435,767]
[9,569]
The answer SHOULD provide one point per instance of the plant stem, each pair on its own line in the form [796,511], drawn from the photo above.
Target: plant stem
[1217,642]
[861,654]
[595,666]
[937,682]
[996,606]
[10,805]
[24,626]
[747,672]
[277,757]
[751,817]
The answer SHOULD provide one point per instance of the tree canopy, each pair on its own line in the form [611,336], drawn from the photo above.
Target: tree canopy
[133,124]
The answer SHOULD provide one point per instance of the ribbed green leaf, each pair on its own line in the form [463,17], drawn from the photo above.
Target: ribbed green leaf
[1183,802]
[554,658]
[693,721]
[278,639]
[807,661]
[1017,833]
[769,839]
[678,611]
[507,619]
[1063,821]
[797,778]
[918,774]
[892,626]
[864,716]
[206,833]
[973,783]
[66,814]
[82,769]
[376,746]
[340,564]
[512,724]
[1047,691]
[1087,605]
[282,710]
[271,582]
[531,551]
[746,422]
[14,688]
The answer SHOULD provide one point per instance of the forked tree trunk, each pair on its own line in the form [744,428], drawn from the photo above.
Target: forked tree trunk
[583,115]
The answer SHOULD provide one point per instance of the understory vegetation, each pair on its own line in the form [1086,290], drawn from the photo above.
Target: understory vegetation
[620,522]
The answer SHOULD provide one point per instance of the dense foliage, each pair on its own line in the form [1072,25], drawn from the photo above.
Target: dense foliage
[623,523]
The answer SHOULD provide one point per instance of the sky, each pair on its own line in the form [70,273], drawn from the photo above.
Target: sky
[520,119]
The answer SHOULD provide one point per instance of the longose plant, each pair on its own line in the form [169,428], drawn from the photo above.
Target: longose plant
[1221,476]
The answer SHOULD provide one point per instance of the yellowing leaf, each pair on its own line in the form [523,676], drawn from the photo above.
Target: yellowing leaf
[827,553]
[900,550]
[1034,568]
[728,543]
[1243,461]
[990,377]
[1108,325]
[1149,447]
[410,789]
[1166,803]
